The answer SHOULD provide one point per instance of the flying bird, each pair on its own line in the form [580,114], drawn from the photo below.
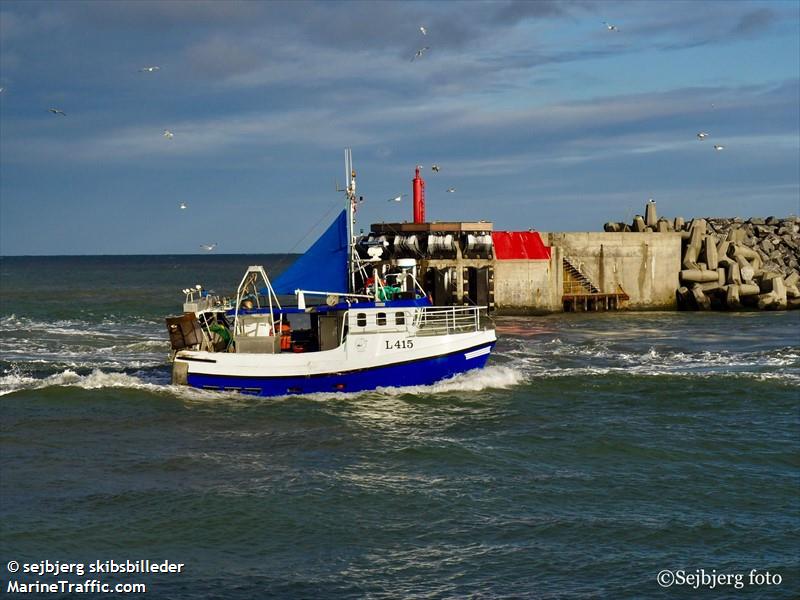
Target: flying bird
[397,198]
[2,89]
[419,53]
[149,69]
[57,111]
[702,135]
[208,247]
[183,206]
[716,147]
[610,27]
[168,134]
[435,168]
[423,30]
[451,190]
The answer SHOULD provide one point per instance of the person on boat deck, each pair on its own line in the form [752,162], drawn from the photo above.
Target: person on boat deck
[286,334]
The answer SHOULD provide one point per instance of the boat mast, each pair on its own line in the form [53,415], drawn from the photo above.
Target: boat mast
[350,193]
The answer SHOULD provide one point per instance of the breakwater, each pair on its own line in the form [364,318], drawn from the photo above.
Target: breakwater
[730,263]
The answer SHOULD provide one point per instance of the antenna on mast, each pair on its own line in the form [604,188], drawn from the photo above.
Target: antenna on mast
[350,193]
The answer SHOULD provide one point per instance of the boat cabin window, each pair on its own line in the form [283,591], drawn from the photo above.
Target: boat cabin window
[361,319]
[399,318]
[380,319]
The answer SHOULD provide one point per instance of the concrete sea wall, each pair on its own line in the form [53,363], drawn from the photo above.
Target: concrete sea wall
[642,265]
[527,286]
[729,263]
[650,264]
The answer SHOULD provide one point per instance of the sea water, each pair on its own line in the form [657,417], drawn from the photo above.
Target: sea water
[616,455]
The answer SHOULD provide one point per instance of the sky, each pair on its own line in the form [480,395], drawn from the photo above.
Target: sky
[537,113]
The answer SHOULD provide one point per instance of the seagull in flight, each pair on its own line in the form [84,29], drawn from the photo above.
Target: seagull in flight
[397,198]
[435,168]
[419,53]
[610,27]
[451,190]
[702,135]
[57,111]
[183,206]
[168,134]
[423,30]
[208,247]
[149,69]
[716,147]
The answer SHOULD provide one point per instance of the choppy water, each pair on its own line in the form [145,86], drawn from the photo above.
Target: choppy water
[594,452]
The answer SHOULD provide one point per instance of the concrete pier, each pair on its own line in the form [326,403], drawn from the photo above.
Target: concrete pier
[650,264]
[533,272]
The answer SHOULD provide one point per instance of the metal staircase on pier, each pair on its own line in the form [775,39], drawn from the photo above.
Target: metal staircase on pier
[580,294]
[576,282]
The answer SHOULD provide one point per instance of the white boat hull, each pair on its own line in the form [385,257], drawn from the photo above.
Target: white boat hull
[363,362]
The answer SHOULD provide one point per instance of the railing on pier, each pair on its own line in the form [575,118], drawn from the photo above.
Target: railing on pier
[443,320]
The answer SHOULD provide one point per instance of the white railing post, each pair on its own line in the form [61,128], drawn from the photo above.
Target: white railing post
[345,320]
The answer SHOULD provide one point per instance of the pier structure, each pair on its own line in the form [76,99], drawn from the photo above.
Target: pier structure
[521,272]
[518,272]
[652,264]
[729,263]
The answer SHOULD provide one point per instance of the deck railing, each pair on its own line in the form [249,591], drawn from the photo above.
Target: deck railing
[443,320]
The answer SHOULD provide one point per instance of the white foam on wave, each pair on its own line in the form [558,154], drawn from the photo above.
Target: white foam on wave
[661,372]
[555,358]
[491,377]
[124,353]
[108,327]
[536,370]
[606,349]
[478,380]
[16,380]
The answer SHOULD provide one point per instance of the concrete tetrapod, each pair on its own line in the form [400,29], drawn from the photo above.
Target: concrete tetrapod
[731,262]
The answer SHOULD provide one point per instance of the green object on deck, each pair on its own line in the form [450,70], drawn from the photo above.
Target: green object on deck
[221,331]
[387,292]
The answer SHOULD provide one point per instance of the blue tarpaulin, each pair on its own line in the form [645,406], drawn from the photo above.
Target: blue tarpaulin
[323,267]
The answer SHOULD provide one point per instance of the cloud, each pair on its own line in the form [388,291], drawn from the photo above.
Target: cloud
[15,26]
[520,10]
[168,14]
[465,129]
[754,22]
[221,56]
[225,136]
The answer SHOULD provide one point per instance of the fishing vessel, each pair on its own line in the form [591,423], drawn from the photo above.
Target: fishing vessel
[351,328]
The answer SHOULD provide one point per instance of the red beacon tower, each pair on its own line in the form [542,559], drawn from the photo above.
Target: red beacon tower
[419,198]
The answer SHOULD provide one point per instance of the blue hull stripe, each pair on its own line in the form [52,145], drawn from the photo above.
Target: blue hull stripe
[419,372]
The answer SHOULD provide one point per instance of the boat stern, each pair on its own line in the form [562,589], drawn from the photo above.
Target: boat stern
[180,372]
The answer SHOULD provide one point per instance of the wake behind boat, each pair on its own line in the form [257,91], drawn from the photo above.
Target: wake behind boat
[372,330]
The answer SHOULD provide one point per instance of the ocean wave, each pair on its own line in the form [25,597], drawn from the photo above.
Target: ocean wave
[491,377]
[538,370]
[15,380]
[604,349]
[50,352]
[46,357]
[106,327]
